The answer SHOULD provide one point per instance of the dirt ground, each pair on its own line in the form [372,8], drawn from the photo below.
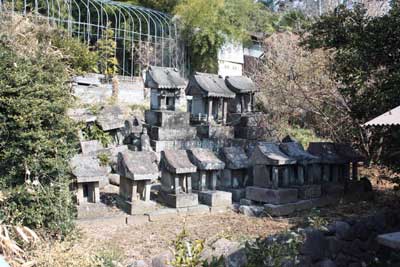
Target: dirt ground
[149,239]
[146,240]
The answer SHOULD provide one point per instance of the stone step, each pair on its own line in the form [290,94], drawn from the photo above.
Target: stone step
[272,196]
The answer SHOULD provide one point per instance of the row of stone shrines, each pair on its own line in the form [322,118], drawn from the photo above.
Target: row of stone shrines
[213,155]
[275,174]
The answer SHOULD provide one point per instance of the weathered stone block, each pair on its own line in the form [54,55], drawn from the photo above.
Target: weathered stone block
[180,200]
[334,189]
[215,132]
[309,191]
[252,211]
[170,134]
[246,202]
[237,193]
[215,198]
[139,207]
[167,119]
[195,210]
[280,210]
[304,205]
[272,196]
[162,260]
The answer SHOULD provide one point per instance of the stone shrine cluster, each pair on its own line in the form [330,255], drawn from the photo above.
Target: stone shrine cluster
[217,153]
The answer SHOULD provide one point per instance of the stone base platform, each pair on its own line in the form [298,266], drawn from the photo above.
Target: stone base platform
[179,201]
[237,193]
[215,198]
[138,207]
[308,191]
[332,189]
[272,196]
[288,208]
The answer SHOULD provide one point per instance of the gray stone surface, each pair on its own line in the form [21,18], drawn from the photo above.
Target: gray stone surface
[309,191]
[232,252]
[167,119]
[90,147]
[280,210]
[162,260]
[177,161]
[170,134]
[111,118]
[208,85]
[87,168]
[332,189]
[195,210]
[326,151]
[114,178]
[270,154]
[342,230]
[240,84]
[179,201]
[215,131]
[272,196]
[325,263]
[315,246]
[205,159]
[237,193]
[296,151]
[251,211]
[138,263]
[246,202]
[235,158]
[138,165]
[215,198]
[164,78]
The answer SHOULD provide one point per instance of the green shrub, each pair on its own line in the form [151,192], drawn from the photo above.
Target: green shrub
[40,206]
[93,132]
[273,251]
[104,159]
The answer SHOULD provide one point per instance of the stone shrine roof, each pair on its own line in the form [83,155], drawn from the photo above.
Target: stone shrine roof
[164,78]
[240,84]
[209,85]
[235,158]
[138,165]
[296,151]
[326,151]
[205,159]
[177,161]
[111,118]
[87,168]
[270,154]
[348,153]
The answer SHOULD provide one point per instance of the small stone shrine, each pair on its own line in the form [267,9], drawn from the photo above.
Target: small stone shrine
[209,105]
[272,176]
[137,169]
[235,176]
[337,160]
[247,123]
[176,179]
[167,126]
[305,179]
[88,173]
[111,119]
[205,180]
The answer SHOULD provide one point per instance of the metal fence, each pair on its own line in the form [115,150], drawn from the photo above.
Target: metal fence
[143,36]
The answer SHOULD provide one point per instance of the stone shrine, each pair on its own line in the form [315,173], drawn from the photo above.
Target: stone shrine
[176,179]
[88,173]
[209,105]
[205,180]
[235,176]
[247,123]
[306,179]
[272,175]
[137,169]
[111,119]
[167,126]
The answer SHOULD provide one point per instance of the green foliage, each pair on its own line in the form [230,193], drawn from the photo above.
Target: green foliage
[208,24]
[76,54]
[104,159]
[110,257]
[365,63]
[40,206]
[273,251]
[37,139]
[187,252]
[316,221]
[94,132]
[303,135]
[36,136]
[106,50]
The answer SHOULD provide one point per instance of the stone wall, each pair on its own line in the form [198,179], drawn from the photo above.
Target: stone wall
[349,243]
